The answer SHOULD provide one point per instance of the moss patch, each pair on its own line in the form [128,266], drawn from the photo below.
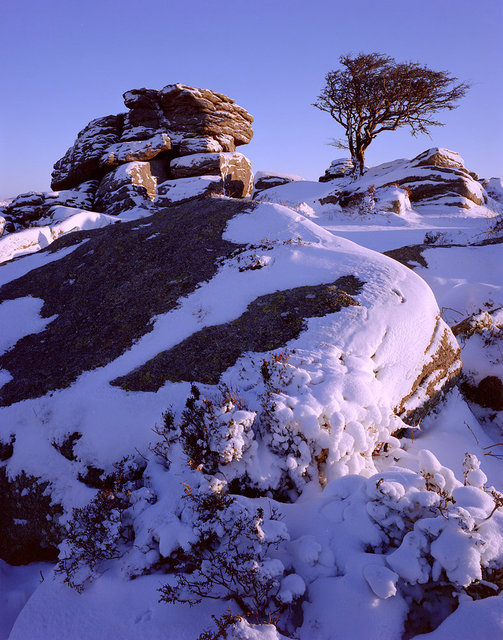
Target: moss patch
[269,323]
[106,291]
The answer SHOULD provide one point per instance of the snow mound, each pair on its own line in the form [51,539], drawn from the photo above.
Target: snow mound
[64,220]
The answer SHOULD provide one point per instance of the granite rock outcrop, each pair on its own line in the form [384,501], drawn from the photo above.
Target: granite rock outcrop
[435,177]
[117,162]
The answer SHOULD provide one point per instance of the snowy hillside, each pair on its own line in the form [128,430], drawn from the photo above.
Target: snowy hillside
[263,416]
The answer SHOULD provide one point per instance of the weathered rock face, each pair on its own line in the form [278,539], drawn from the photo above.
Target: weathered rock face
[206,113]
[439,373]
[233,168]
[439,176]
[83,160]
[117,162]
[131,185]
[437,157]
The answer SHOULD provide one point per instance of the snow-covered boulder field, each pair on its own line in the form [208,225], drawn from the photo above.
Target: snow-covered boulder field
[433,179]
[251,406]
[251,294]
[307,350]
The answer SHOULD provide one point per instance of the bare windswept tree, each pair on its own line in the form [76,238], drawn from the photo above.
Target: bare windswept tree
[373,93]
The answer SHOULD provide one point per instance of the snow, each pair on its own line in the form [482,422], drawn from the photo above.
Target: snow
[66,220]
[196,159]
[473,619]
[465,278]
[16,586]
[19,318]
[346,386]
[389,517]
[381,580]
[120,609]
[183,188]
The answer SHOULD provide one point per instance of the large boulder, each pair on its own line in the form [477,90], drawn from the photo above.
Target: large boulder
[216,292]
[28,208]
[128,186]
[142,150]
[189,146]
[267,180]
[174,191]
[233,168]
[144,118]
[439,176]
[439,157]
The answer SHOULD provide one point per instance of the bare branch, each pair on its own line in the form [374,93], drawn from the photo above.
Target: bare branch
[373,93]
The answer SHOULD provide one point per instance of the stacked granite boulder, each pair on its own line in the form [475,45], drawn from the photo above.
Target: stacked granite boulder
[173,136]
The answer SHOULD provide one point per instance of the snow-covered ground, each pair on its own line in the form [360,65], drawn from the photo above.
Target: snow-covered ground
[394,519]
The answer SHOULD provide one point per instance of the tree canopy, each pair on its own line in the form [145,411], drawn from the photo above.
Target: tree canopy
[373,93]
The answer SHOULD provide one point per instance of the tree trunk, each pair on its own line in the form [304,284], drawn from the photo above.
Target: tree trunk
[360,160]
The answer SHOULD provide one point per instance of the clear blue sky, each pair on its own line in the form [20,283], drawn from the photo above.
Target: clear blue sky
[65,62]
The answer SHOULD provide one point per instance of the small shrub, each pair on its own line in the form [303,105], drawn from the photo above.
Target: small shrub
[213,431]
[97,532]
[224,624]
[232,556]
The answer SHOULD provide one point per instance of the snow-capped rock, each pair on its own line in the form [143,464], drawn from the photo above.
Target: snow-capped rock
[434,177]
[130,151]
[27,209]
[234,170]
[338,169]
[263,180]
[172,191]
[129,186]
[82,160]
